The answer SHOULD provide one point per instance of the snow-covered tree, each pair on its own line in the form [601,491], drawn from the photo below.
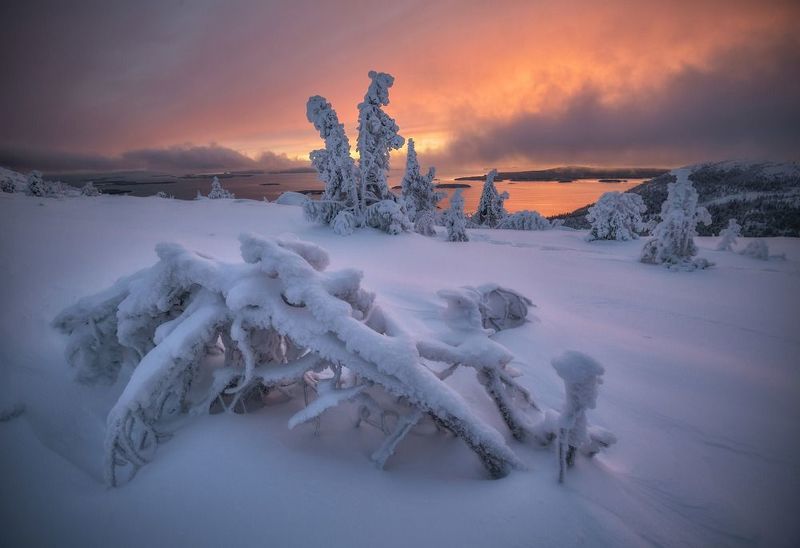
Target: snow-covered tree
[729,235]
[524,220]
[377,136]
[288,327]
[616,216]
[335,167]
[582,376]
[89,190]
[163,195]
[455,221]
[36,185]
[673,238]
[418,191]
[425,223]
[217,191]
[490,208]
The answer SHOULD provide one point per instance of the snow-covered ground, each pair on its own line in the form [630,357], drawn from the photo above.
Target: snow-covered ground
[701,387]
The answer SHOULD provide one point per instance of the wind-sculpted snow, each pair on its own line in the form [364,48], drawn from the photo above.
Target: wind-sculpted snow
[286,324]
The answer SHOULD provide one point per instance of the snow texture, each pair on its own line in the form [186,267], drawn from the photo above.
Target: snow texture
[616,216]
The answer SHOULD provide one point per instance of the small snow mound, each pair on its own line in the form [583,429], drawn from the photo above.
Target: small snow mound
[292,198]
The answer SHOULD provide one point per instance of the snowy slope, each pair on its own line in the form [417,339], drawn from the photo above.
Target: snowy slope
[701,388]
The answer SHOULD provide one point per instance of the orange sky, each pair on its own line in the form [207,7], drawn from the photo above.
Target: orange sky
[239,74]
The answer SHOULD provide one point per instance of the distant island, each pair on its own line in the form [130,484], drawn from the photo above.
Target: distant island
[571,173]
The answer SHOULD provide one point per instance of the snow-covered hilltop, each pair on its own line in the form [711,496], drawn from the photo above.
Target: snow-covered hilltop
[763,196]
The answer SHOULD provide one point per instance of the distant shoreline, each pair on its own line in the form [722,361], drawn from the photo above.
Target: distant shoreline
[572,173]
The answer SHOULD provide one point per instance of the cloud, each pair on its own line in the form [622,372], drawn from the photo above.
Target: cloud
[745,104]
[176,159]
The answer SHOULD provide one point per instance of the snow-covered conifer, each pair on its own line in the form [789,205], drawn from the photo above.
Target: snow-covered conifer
[36,186]
[217,191]
[729,235]
[524,220]
[419,193]
[673,238]
[334,165]
[616,216]
[582,376]
[490,208]
[377,136]
[454,219]
[89,190]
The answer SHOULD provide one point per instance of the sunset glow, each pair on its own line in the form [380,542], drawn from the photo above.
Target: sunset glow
[468,74]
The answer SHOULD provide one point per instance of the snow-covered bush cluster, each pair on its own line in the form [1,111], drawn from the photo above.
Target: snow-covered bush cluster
[616,216]
[673,238]
[524,220]
[361,191]
[35,185]
[89,190]
[195,334]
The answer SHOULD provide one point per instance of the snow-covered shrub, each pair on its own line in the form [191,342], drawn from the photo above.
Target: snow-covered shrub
[454,219]
[287,327]
[757,249]
[163,195]
[582,376]
[616,216]
[344,223]
[424,223]
[524,220]
[7,184]
[377,136]
[89,190]
[334,165]
[292,198]
[36,185]
[673,238]
[388,216]
[419,194]
[218,192]
[490,208]
[729,235]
